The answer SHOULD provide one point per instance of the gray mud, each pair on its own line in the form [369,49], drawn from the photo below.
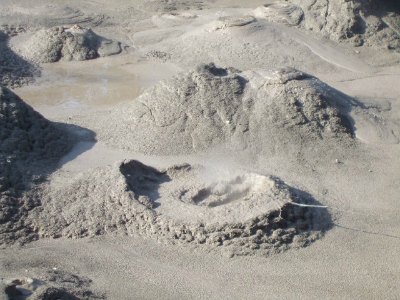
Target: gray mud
[30,146]
[15,71]
[51,15]
[48,285]
[359,22]
[74,43]
[259,110]
[247,214]
[280,12]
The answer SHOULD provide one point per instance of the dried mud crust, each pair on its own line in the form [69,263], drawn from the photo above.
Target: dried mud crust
[210,106]
[74,43]
[245,214]
[48,285]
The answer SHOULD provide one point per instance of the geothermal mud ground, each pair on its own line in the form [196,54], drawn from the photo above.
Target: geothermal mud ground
[199,149]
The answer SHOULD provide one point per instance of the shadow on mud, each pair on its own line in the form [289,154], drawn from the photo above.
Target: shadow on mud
[14,70]
[144,181]
[30,151]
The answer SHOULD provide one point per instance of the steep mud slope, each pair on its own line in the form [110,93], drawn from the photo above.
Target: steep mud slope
[29,146]
[14,70]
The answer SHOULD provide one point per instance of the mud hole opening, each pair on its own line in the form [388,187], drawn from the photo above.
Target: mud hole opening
[243,213]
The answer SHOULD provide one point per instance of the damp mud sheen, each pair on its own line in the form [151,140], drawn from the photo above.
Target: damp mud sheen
[90,85]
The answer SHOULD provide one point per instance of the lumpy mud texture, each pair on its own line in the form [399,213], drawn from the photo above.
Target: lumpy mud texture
[226,22]
[242,213]
[30,144]
[48,285]
[361,22]
[209,106]
[75,43]
[14,70]
[280,12]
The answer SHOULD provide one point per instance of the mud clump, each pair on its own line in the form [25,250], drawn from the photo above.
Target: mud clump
[280,12]
[210,106]
[243,214]
[360,22]
[49,285]
[226,22]
[59,43]
[159,56]
[30,144]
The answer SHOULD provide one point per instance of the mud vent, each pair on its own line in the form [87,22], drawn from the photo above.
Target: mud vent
[242,213]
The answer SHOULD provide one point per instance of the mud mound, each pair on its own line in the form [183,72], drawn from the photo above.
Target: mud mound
[14,70]
[172,19]
[210,106]
[29,145]
[26,136]
[280,12]
[47,286]
[244,213]
[75,43]
[226,22]
[373,23]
